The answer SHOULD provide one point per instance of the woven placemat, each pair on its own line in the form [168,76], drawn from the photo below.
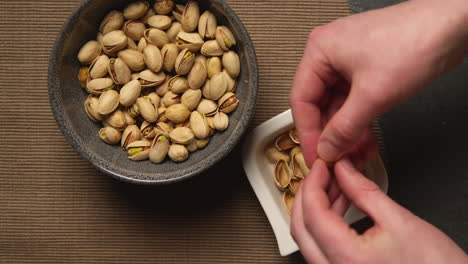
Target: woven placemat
[56,208]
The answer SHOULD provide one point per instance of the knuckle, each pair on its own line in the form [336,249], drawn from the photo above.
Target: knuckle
[343,132]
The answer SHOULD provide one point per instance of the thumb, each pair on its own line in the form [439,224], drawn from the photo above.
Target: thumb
[346,127]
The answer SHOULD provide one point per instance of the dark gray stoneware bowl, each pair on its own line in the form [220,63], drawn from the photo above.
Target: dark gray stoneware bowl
[67,97]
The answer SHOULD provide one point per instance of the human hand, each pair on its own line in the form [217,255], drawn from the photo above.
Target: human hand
[397,236]
[356,68]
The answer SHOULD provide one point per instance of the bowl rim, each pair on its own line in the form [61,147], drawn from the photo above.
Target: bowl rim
[96,161]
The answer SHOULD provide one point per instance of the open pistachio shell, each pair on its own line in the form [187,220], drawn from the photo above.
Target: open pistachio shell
[225,37]
[231,83]
[83,75]
[207,25]
[142,44]
[184,62]
[207,107]
[178,11]
[169,55]
[294,135]
[129,120]
[131,44]
[173,30]
[288,200]
[160,22]
[99,67]
[170,98]
[217,87]
[221,121]
[228,103]
[294,186]
[108,102]
[177,113]
[197,75]
[182,135]
[114,41]
[190,41]
[163,128]
[98,86]
[119,71]
[231,63]
[178,84]
[147,130]
[133,59]
[283,174]
[284,142]
[191,98]
[151,79]
[152,58]
[134,29]
[162,89]
[298,165]
[178,153]
[156,37]
[147,109]
[155,99]
[163,7]
[274,155]
[211,48]
[130,134]
[139,150]
[135,10]
[202,143]
[199,125]
[130,92]
[90,106]
[112,21]
[89,52]
[213,66]
[110,135]
[159,149]
[190,16]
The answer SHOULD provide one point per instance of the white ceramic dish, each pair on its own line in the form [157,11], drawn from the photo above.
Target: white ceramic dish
[260,172]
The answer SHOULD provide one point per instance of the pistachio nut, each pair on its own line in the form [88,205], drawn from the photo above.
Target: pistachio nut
[159,149]
[163,128]
[129,120]
[231,63]
[192,146]
[197,75]
[231,83]
[178,84]
[202,143]
[151,79]
[156,37]
[112,21]
[162,114]
[142,44]
[211,48]
[162,89]
[288,200]
[184,62]
[147,15]
[116,120]
[160,22]
[134,29]
[139,150]
[199,125]
[108,102]
[284,142]
[119,71]
[110,135]
[294,136]
[221,121]
[225,37]
[177,12]
[298,166]
[114,41]
[178,153]
[89,52]
[133,59]
[83,76]
[190,16]
[207,25]
[213,66]
[228,103]
[133,110]
[273,155]
[182,135]
[147,130]
[283,174]
[191,98]
[216,88]
[130,92]
[135,10]
[207,107]
[177,113]
[130,134]
[147,109]
[98,68]
[191,41]
[169,55]
[98,86]
[90,106]
[155,99]
[170,98]
[131,44]
[173,30]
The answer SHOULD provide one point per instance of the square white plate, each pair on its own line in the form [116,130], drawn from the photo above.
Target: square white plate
[260,174]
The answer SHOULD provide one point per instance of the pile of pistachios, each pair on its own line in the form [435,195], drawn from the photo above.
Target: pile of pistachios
[290,166]
[161,79]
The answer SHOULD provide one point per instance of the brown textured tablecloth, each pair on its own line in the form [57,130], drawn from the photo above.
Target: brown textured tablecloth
[56,208]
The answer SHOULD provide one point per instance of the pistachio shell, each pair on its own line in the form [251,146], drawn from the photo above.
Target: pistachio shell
[130,134]
[231,63]
[211,48]
[134,29]
[130,92]
[153,58]
[142,45]
[89,52]
[98,86]
[99,38]
[133,59]
[147,130]
[162,114]
[298,165]
[169,55]
[228,103]
[225,37]
[114,41]
[151,79]
[184,62]
[147,15]
[182,135]
[172,32]
[131,44]
[197,75]
[213,66]
[231,83]
[191,41]
[163,7]
[133,110]
[178,153]
[294,136]
[274,155]
[284,142]
[83,76]
[119,71]
[177,113]
[90,106]
[288,200]
[110,135]
[112,21]
[116,120]
[199,125]
[163,128]
[99,67]
[207,107]
[178,11]
[129,120]
[217,87]
[170,98]
[186,123]
[135,10]
[162,89]
[207,25]
[294,186]
[283,174]
[190,16]
[155,99]
[108,102]
[147,109]
[191,98]
[192,146]
[156,37]
[178,84]
[202,143]
[139,150]
[160,22]
[211,122]
[221,121]
[159,149]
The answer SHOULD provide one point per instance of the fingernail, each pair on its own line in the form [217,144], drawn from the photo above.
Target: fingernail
[327,151]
